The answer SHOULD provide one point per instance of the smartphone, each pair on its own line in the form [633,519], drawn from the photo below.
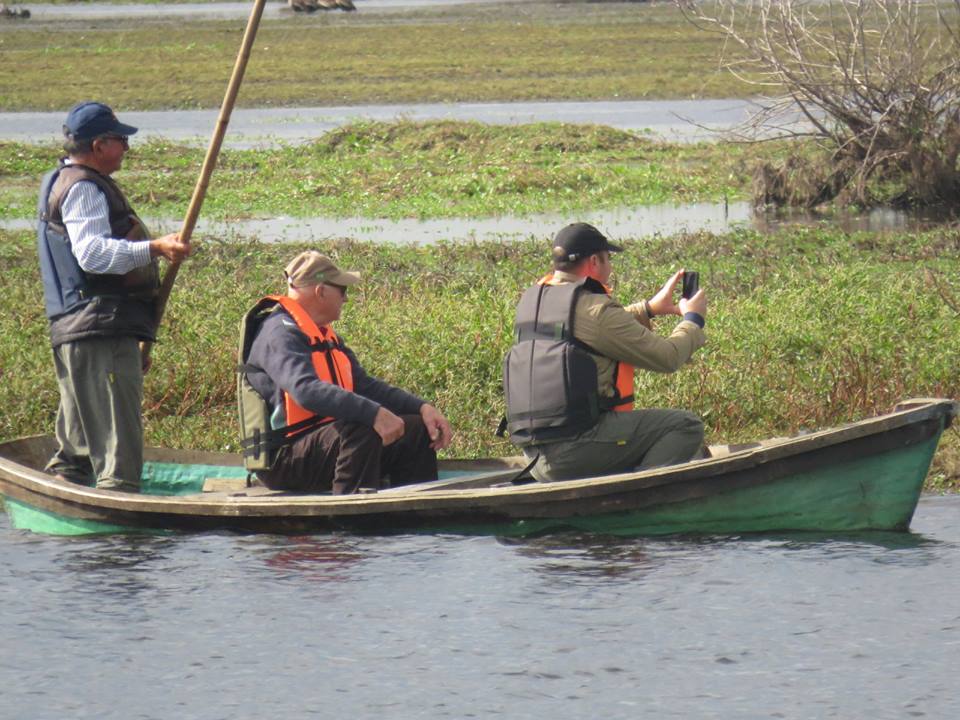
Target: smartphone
[691,283]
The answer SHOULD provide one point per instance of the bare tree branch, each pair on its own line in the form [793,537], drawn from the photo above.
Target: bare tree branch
[877,79]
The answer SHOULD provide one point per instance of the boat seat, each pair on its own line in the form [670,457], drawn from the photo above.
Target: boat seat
[720,451]
[228,484]
[238,491]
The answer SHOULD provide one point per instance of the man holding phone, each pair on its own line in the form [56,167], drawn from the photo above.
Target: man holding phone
[569,378]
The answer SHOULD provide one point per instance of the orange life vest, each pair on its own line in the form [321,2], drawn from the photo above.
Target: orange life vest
[330,362]
[622,376]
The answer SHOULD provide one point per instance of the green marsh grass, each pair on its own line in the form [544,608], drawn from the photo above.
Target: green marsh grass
[517,51]
[415,169]
[807,329]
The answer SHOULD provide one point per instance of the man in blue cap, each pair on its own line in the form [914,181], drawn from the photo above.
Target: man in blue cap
[100,281]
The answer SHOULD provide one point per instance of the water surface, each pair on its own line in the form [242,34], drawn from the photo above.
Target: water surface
[619,223]
[639,222]
[216,626]
[647,221]
[677,120]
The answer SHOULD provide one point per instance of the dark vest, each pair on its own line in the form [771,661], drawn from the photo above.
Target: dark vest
[549,378]
[85,305]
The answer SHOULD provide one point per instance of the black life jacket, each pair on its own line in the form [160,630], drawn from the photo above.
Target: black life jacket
[81,304]
[549,377]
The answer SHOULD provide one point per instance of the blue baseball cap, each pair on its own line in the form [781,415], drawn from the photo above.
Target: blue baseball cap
[88,120]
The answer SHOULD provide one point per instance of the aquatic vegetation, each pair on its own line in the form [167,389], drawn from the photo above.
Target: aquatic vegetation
[807,328]
[413,169]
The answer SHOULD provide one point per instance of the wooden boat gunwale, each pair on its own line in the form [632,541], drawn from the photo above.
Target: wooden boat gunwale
[740,468]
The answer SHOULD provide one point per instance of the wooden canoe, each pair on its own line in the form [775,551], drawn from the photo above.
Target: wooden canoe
[867,475]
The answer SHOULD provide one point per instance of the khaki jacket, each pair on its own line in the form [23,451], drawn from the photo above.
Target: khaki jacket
[623,334]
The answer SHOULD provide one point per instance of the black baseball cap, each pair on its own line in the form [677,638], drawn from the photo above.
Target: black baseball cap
[580,240]
[88,120]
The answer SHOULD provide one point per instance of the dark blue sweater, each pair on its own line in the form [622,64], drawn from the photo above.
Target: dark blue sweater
[280,360]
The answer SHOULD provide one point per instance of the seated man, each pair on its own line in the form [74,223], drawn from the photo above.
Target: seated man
[312,419]
[569,377]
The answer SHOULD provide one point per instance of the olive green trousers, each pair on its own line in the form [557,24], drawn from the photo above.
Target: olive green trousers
[99,427]
[621,442]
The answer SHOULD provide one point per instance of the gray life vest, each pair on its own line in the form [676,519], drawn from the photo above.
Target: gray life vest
[80,304]
[549,378]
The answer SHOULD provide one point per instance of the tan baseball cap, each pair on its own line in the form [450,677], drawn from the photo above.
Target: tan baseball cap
[312,268]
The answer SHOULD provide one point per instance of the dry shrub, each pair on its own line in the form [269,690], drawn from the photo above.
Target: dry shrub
[878,80]
[796,182]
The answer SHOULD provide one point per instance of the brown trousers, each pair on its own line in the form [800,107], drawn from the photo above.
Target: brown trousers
[343,457]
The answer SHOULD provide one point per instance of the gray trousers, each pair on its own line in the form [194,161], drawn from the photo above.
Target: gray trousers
[621,442]
[99,426]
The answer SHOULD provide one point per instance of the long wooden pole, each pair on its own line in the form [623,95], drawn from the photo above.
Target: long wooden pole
[213,151]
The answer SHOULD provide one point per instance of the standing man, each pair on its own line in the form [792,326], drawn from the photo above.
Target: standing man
[100,281]
[569,377]
[312,419]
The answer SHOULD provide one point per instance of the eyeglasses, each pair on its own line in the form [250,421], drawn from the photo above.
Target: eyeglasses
[124,139]
[341,288]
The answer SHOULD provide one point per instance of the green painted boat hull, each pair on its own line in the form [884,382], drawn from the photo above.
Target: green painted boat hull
[159,478]
[875,493]
[863,476]
[879,493]
[44,522]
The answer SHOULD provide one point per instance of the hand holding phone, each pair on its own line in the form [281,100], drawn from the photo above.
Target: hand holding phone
[691,283]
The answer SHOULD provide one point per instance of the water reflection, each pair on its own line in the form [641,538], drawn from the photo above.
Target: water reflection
[575,557]
[794,625]
[117,567]
[902,549]
[648,221]
[637,222]
[855,542]
[879,219]
[313,558]
[663,220]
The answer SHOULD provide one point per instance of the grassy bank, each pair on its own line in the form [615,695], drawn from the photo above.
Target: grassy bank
[406,169]
[517,51]
[806,329]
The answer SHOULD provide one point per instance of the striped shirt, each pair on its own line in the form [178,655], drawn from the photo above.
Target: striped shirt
[86,218]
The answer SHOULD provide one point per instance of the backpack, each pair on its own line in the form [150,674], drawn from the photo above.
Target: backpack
[258,440]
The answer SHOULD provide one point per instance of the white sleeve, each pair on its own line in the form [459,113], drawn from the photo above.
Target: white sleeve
[86,218]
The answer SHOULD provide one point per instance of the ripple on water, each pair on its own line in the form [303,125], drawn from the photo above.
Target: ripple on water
[639,222]
[567,626]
